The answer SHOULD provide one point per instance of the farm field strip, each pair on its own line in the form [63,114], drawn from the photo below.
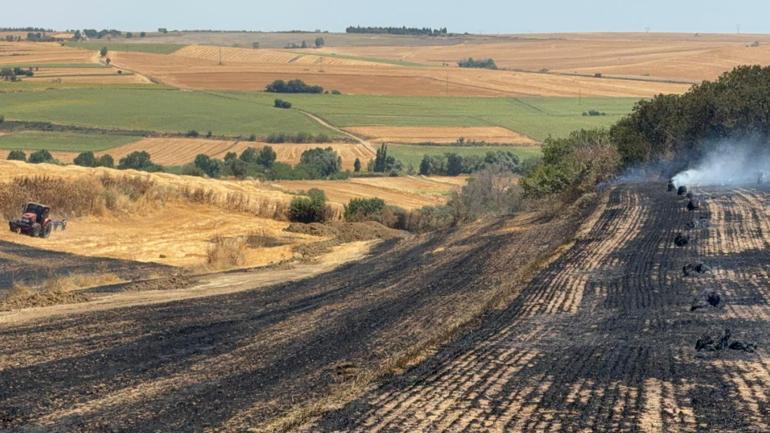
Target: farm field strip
[422,134]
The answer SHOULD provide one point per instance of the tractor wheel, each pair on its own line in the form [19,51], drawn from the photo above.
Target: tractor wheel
[47,231]
[36,230]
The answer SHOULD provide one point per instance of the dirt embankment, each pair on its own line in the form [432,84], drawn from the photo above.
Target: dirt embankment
[265,356]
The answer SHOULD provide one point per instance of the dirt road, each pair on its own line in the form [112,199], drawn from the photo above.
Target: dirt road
[603,340]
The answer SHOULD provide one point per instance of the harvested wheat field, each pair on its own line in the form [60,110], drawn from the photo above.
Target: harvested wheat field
[39,53]
[378,79]
[169,219]
[441,135]
[229,55]
[657,56]
[179,151]
[408,192]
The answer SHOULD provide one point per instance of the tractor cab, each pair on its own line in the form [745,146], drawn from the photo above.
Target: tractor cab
[35,213]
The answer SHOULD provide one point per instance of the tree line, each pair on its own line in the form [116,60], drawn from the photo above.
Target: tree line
[675,129]
[477,63]
[398,30]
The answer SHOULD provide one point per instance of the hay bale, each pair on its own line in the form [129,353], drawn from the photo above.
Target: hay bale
[694,268]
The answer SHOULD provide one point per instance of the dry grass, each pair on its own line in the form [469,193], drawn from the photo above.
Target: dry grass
[441,135]
[226,252]
[56,289]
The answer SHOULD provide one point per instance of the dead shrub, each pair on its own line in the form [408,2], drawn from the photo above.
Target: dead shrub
[226,252]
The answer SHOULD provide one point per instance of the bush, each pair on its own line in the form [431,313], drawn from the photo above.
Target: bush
[85,159]
[192,170]
[17,155]
[105,161]
[384,163]
[364,209]
[41,156]
[212,167]
[310,209]
[2,119]
[573,166]
[280,103]
[320,162]
[138,161]
[293,86]
[103,51]
[192,133]
[480,63]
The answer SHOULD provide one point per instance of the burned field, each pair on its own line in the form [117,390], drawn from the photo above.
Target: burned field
[244,360]
[605,338]
[602,339]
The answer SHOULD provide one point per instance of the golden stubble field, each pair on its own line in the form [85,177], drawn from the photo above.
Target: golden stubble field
[176,229]
[200,68]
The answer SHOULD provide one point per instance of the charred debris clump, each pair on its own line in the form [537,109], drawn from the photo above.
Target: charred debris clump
[706,299]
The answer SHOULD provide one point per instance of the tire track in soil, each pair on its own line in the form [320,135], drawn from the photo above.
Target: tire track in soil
[603,339]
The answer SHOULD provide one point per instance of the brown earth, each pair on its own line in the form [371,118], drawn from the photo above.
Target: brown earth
[441,135]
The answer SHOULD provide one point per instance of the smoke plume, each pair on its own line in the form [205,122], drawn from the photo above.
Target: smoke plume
[728,164]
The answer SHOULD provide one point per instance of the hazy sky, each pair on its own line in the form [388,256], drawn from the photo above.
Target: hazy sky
[479,16]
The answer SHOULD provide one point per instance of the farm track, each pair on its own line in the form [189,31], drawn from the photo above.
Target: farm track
[603,339]
[240,360]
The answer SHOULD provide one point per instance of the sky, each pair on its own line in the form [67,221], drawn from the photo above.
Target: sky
[479,16]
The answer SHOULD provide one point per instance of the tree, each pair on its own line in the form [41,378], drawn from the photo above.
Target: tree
[212,167]
[304,44]
[357,165]
[308,209]
[41,156]
[384,162]
[266,157]
[319,42]
[103,51]
[320,162]
[249,155]
[105,161]
[162,30]
[142,34]
[454,165]
[129,35]
[77,36]
[17,155]
[138,161]
[426,165]
[85,159]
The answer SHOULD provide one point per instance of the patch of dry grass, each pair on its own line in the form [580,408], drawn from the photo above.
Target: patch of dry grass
[227,252]
[57,289]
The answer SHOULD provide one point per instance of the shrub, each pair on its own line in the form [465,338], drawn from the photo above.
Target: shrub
[212,167]
[357,165]
[17,155]
[320,162]
[309,209]
[364,209]
[41,156]
[293,86]
[192,133]
[85,159]
[192,170]
[2,119]
[138,161]
[105,161]
[103,51]
[280,103]
[480,63]
[266,157]
[384,163]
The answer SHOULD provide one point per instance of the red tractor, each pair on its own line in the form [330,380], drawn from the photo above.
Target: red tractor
[35,221]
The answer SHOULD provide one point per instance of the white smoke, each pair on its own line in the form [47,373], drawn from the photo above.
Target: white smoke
[729,164]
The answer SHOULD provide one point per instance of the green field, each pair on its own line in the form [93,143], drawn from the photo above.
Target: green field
[537,117]
[411,154]
[156,110]
[123,46]
[62,141]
